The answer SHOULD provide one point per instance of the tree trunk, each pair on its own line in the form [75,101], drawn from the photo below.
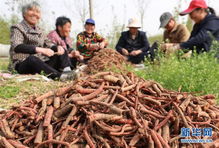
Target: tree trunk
[91,8]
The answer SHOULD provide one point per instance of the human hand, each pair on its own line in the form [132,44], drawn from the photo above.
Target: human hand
[80,58]
[125,52]
[45,51]
[60,50]
[102,45]
[94,46]
[74,53]
[135,52]
[172,48]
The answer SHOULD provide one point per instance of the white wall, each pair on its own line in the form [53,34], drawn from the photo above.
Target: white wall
[4,50]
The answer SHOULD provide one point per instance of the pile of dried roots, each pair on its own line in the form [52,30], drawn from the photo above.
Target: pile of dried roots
[109,110]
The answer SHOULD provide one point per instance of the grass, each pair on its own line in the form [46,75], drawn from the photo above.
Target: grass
[12,92]
[3,64]
[155,38]
[199,74]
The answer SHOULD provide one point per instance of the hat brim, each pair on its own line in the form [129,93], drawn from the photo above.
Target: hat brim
[163,25]
[187,11]
[133,27]
[90,23]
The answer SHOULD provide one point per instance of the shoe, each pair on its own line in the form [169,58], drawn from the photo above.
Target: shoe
[69,75]
[82,67]
[138,67]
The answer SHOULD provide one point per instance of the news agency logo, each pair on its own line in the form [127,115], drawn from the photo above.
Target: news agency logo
[196,132]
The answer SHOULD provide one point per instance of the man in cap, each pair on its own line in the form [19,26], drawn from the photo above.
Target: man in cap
[205,29]
[133,43]
[174,33]
[89,41]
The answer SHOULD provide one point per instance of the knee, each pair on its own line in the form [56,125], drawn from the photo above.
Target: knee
[33,59]
[65,53]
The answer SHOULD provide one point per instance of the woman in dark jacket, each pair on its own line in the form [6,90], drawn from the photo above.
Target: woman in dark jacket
[133,43]
[206,27]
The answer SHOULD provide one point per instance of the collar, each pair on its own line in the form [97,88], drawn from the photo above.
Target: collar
[30,29]
[59,34]
[130,35]
[88,35]
[175,27]
[205,19]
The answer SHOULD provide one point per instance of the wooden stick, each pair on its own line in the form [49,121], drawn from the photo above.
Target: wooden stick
[101,116]
[113,108]
[185,103]
[48,116]
[156,140]
[39,135]
[166,132]
[169,115]
[182,115]
[55,142]
[111,78]
[44,96]
[16,144]
[156,89]
[88,97]
[150,142]
[64,90]
[88,139]
[143,109]
[69,118]
[152,100]
[128,88]
[56,102]
[82,90]
[134,140]
[5,142]
[164,143]
[6,129]
[63,111]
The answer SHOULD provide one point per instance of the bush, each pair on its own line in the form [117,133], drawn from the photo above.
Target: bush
[4,31]
[198,74]
[154,38]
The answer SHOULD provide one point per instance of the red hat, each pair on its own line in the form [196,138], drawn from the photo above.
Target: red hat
[194,4]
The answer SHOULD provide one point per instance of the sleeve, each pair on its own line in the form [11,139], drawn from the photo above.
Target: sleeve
[198,39]
[17,42]
[201,37]
[165,37]
[99,38]
[47,42]
[22,48]
[145,43]
[81,44]
[120,44]
[51,37]
[184,34]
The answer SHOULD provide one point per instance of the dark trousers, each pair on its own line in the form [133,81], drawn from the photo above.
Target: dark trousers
[136,59]
[73,62]
[153,51]
[150,54]
[52,68]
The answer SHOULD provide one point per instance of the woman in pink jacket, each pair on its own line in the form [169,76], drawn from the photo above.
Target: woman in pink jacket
[61,36]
